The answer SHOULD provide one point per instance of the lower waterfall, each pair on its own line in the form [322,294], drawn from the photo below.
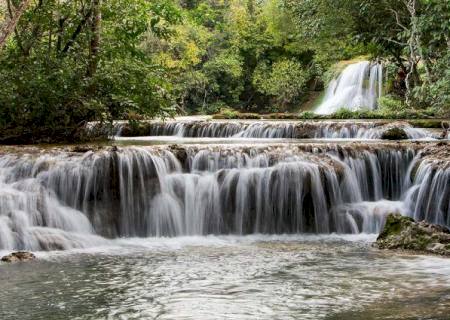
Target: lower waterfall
[61,200]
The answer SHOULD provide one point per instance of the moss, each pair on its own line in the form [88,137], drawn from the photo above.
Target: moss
[420,118]
[394,224]
[136,129]
[420,242]
[404,233]
[394,134]
[227,113]
[281,116]
[249,116]
[429,123]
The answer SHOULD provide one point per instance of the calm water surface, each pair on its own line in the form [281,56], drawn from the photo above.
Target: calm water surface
[253,277]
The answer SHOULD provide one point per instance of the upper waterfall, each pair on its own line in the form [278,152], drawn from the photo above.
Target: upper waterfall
[358,86]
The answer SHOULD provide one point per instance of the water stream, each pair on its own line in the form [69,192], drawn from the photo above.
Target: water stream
[357,87]
[64,200]
[228,277]
[255,222]
[244,129]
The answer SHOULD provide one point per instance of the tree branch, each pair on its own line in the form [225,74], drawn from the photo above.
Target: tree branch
[77,31]
[10,25]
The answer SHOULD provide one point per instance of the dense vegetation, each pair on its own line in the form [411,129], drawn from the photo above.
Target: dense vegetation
[68,62]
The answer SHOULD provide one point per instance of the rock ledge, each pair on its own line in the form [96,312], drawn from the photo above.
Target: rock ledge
[403,233]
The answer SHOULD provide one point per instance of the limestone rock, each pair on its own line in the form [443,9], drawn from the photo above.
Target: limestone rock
[394,133]
[404,233]
[19,256]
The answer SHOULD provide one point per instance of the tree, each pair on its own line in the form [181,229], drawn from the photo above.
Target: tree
[58,74]
[284,82]
[14,16]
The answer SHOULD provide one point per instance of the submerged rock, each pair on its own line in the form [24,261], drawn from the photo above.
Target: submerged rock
[404,233]
[19,256]
[394,134]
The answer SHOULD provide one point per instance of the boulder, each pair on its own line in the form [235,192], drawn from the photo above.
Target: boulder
[394,134]
[19,256]
[406,234]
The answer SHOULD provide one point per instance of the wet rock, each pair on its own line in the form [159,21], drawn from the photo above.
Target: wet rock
[406,234]
[394,134]
[19,256]
[82,149]
[136,129]
[179,152]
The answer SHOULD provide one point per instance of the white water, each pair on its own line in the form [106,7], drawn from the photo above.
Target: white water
[64,200]
[239,130]
[357,87]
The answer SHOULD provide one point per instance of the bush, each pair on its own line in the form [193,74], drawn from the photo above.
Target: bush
[307,115]
[388,104]
[344,113]
[284,81]
[229,113]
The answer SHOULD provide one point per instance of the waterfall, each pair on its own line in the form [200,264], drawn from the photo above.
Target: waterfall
[60,200]
[273,129]
[357,87]
[429,197]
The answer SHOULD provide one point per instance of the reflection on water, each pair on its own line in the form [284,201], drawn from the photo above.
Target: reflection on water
[254,277]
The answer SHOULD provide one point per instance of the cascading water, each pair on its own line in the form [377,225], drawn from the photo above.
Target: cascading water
[274,129]
[357,87]
[429,197]
[64,200]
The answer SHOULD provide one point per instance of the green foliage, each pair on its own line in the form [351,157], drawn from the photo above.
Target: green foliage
[285,81]
[235,53]
[65,66]
[307,115]
[69,62]
[344,113]
[375,114]
[436,93]
[229,113]
[389,104]
[411,37]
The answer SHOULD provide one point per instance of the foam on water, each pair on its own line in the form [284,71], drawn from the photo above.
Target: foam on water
[357,87]
[238,130]
[65,200]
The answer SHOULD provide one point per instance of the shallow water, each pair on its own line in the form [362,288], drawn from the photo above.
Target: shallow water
[252,277]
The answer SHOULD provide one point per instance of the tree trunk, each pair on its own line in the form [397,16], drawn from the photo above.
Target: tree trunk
[94,47]
[411,78]
[10,25]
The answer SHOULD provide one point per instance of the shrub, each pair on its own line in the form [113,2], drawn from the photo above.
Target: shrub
[387,104]
[308,115]
[344,113]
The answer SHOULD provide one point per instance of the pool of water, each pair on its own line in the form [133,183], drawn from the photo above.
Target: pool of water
[228,277]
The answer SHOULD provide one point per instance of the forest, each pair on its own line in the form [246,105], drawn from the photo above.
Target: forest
[66,63]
